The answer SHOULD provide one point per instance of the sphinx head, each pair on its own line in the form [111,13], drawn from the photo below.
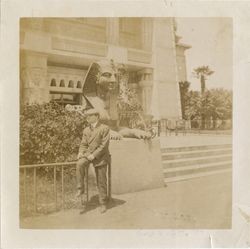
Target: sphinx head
[107,78]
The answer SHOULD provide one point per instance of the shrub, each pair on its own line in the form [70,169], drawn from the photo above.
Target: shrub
[49,133]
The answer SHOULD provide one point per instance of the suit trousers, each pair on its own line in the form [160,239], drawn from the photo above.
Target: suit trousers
[101,178]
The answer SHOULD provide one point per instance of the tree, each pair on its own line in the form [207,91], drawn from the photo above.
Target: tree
[215,104]
[193,107]
[202,73]
[221,104]
[184,88]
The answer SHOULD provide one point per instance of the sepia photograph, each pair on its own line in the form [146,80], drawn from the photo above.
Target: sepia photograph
[125,122]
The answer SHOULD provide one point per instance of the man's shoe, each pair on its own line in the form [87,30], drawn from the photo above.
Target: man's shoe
[103,209]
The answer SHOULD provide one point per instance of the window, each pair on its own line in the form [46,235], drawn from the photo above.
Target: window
[62,83]
[53,82]
[71,84]
[79,84]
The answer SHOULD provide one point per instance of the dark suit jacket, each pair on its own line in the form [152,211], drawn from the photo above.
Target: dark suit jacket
[96,142]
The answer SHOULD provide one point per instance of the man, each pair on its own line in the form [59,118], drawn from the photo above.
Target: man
[94,149]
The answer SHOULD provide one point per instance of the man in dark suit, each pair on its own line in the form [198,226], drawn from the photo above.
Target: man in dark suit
[94,149]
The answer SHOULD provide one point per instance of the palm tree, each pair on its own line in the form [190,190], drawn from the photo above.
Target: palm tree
[202,73]
[184,88]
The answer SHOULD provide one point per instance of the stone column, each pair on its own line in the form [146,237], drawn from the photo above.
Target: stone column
[113,30]
[33,73]
[165,68]
[146,85]
[146,36]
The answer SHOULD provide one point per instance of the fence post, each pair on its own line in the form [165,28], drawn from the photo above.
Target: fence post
[55,192]
[34,185]
[109,178]
[25,188]
[159,127]
[87,181]
[62,187]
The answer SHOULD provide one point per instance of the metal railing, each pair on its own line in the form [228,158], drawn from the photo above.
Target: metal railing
[31,175]
[168,126]
[57,181]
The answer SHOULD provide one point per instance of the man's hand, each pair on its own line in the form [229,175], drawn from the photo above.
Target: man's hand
[91,157]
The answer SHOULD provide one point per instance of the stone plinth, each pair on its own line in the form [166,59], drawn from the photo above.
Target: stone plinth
[136,165]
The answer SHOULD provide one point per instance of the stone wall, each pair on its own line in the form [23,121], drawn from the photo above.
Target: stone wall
[152,55]
[136,165]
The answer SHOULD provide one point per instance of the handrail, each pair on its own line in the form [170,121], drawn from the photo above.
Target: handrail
[48,165]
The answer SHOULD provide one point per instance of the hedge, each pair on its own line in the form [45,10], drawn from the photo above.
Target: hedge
[49,133]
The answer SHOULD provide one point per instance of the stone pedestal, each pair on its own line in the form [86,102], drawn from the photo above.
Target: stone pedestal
[34,86]
[136,165]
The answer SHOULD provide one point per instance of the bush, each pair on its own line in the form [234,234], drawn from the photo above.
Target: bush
[49,133]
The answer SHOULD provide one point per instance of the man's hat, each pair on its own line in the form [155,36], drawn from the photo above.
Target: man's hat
[92,111]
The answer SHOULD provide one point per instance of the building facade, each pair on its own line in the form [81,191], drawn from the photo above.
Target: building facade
[55,54]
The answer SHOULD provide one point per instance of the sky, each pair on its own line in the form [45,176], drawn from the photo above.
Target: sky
[211,41]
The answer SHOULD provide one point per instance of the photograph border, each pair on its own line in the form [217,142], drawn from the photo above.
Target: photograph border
[12,236]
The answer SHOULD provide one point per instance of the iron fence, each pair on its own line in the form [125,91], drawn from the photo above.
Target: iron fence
[43,188]
[168,126]
[50,187]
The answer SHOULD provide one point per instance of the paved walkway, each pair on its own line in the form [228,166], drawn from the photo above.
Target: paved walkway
[203,202]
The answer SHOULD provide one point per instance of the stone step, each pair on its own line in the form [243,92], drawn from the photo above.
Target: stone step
[193,154]
[194,148]
[196,171]
[196,161]
[198,166]
[195,175]
[183,163]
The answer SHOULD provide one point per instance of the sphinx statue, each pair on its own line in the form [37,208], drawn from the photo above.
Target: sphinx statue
[106,89]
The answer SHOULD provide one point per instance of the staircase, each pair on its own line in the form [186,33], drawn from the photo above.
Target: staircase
[182,163]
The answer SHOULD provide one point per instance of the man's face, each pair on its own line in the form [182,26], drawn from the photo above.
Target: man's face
[93,118]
